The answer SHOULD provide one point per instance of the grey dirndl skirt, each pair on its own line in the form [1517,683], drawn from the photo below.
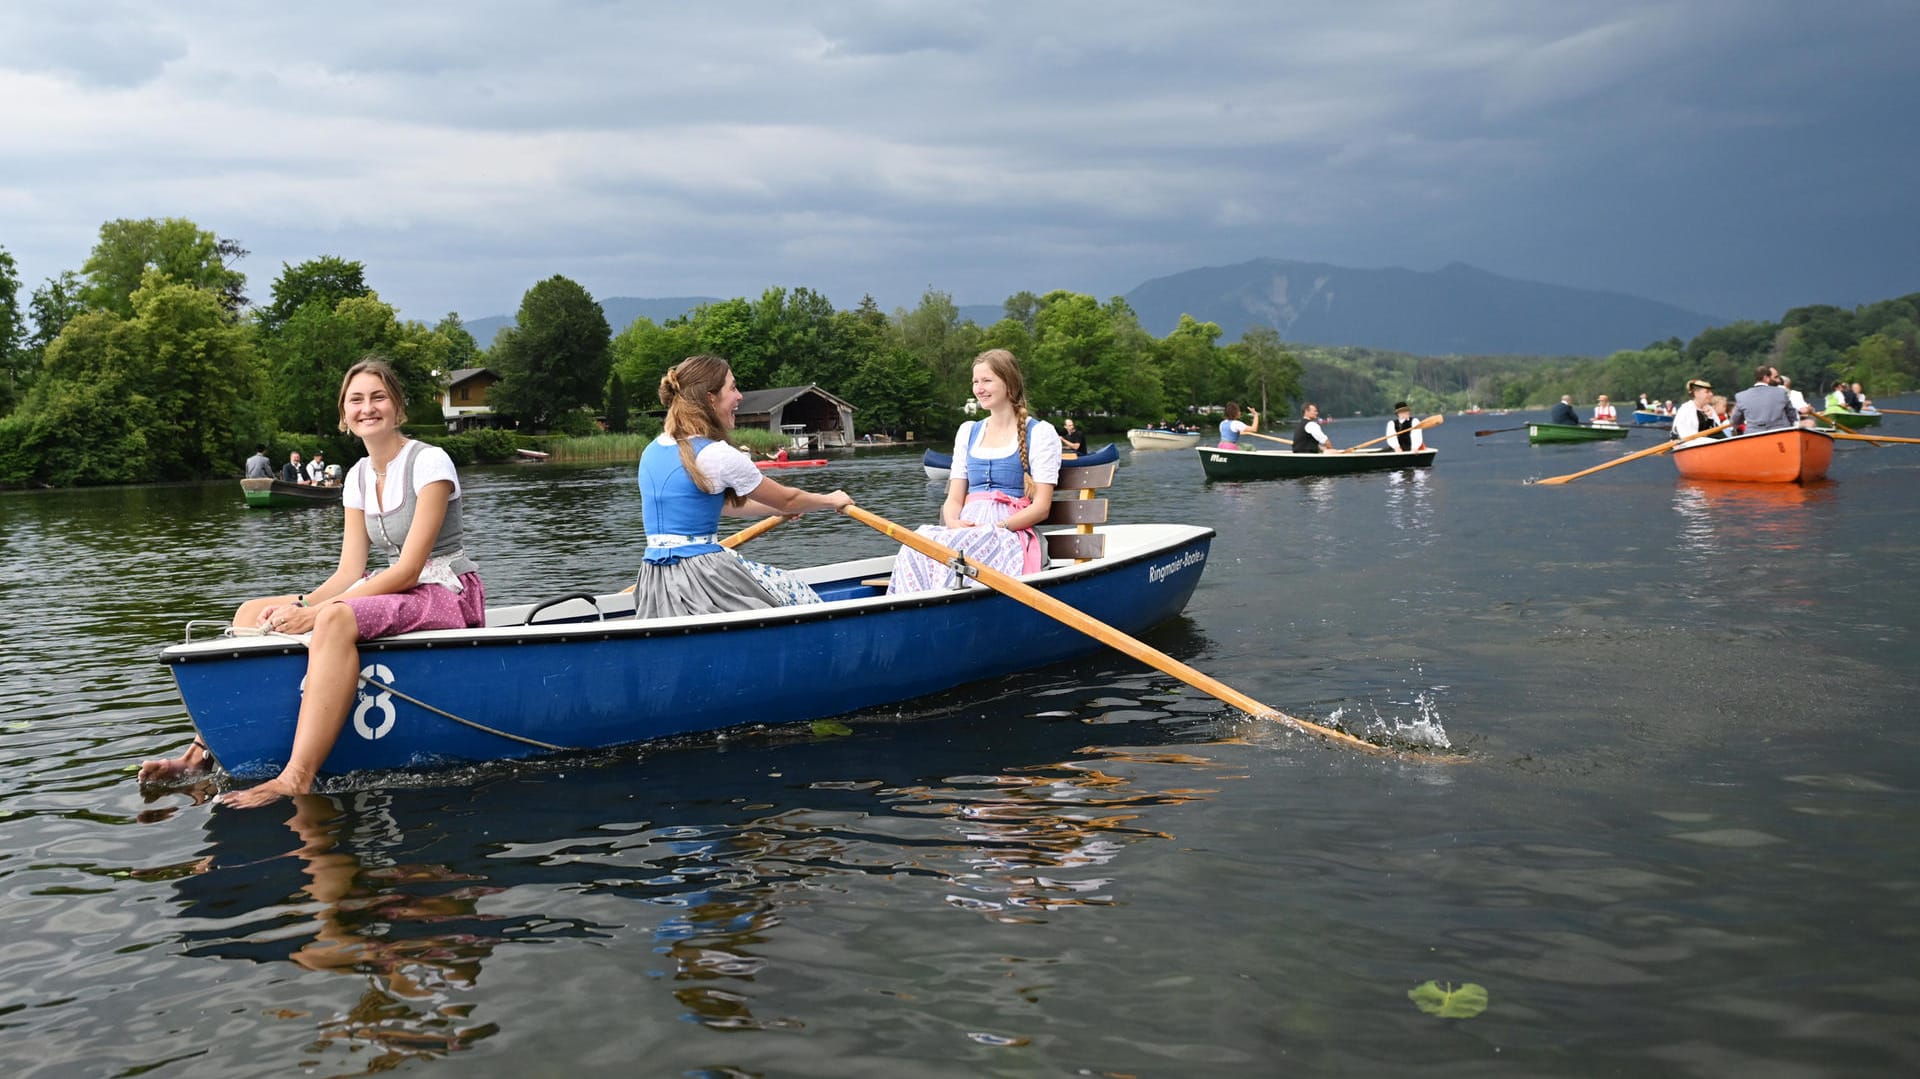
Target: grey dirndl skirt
[711,583]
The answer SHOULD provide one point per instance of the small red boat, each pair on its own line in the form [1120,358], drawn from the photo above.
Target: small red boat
[815,462]
[1789,455]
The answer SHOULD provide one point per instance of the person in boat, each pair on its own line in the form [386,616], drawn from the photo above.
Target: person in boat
[1073,441]
[1696,415]
[291,472]
[687,477]
[1563,412]
[778,455]
[1646,405]
[1722,408]
[1838,397]
[1004,470]
[258,466]
[1861,404]
[404,498]
[1231,428]
[1402,433]
[1763,406]
[1603,410]
[1308,435]
[1798,402]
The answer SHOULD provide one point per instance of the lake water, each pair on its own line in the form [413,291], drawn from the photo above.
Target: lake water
[1676,832]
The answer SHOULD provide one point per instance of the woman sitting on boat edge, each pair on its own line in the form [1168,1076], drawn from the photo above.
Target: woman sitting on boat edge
[687,477]
[1231,428]
[413,513]
[1004,470]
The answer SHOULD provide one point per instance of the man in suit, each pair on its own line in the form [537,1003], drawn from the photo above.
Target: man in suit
[1764,406]
[1564,413]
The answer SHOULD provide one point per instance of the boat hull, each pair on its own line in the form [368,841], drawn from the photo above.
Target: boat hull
[1562,432]
[1221,464]
[1852,421]
[1791,455]
[816,462]
[594,684]
[939,466]
[276,494]
[1643,418]
[1149,438]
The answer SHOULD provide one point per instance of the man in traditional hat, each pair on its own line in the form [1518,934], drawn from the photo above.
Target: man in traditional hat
[1402,432]
[1695,416]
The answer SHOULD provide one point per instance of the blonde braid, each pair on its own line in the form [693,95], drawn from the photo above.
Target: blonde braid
[1026,478]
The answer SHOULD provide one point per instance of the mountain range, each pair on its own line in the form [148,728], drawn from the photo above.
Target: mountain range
[1455,310]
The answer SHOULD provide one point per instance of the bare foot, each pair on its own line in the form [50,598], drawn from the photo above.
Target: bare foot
[267,793]
[195,760]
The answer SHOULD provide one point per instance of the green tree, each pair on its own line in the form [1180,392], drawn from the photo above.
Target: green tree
[53,305]
[893,391]
[159,395]
[13,331]
[1875,363]
[934,334]
[555,358]
[617,419]
[326,280]
[176,247]
[1190,360]
[1267,372]
[463,350]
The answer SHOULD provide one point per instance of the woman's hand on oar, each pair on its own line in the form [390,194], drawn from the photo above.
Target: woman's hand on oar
[1434,420]
[1074,618]
[1650,451]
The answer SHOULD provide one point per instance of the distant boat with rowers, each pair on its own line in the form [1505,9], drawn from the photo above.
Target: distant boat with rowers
[1648,418]
[1221,464]
[265,493]
[1161,438]
[1785,455]
[1853,421]
[1574,432]
[939,466]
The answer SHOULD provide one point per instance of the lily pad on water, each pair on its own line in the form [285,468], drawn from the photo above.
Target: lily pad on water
[823,728]
[1463,1003]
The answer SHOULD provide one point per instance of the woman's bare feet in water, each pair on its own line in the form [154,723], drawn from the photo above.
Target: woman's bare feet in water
[280,786]
[194,761]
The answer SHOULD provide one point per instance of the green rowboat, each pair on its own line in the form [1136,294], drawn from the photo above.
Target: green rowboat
[274,494]
[1286,464]
[1852,421]
[1567,432]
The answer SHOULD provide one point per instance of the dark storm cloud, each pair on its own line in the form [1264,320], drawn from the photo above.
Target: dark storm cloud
[1738,158]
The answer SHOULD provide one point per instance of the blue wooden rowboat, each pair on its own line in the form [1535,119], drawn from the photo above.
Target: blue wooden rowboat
[939,466]
[1644,418]
[581,673]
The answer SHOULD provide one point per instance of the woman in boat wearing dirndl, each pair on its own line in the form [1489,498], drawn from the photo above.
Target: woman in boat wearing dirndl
[687,477]
[403,497]
[1004,470]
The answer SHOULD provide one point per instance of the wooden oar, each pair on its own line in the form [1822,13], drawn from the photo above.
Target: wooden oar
[1875,439]
[1500,430]
[1837,426]
[1899,411]
[1074,618]
[1434,420]
[1650,451]
[1269,438]
[760,527]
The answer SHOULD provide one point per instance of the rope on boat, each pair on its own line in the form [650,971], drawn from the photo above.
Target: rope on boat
[508,735]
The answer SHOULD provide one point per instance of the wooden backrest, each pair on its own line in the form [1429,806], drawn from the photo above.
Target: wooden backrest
[1074,503]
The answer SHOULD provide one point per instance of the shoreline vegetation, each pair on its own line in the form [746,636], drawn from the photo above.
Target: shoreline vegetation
[152,364]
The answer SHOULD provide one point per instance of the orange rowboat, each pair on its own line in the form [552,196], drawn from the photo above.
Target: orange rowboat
[1792,455]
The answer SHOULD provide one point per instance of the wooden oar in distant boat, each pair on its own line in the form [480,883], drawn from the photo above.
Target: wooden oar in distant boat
[1898,411]
[1500,430]
[1434,420]
[1650,451]
[1872,440]
[1074,618]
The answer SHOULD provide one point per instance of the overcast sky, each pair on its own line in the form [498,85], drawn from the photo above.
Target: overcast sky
[1736,157]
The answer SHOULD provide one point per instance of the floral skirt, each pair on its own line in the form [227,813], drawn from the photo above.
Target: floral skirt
[985,545]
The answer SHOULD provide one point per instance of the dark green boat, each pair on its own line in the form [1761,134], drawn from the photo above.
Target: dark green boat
[1569,432]
[264,494]
[1286,464]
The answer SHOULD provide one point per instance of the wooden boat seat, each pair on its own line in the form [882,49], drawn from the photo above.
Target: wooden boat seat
[1075,503]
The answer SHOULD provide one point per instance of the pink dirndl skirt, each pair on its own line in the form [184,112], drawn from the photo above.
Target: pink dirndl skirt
[424,606]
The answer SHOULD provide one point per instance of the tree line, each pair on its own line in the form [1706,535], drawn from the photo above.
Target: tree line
[151,362]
